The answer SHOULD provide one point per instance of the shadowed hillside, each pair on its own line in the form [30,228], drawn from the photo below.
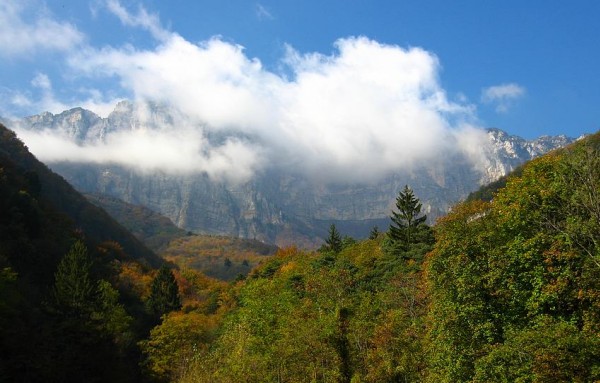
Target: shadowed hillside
[153,229]
[61,318]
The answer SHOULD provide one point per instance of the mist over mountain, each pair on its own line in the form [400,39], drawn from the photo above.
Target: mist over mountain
[231,182]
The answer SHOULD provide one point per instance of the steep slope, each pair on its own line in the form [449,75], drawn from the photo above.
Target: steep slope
[276,205]
[513,282]
[151,228]
[56,206]
[42,338]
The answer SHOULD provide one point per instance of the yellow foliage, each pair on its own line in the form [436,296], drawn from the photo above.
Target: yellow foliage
[288,267]
[208,254]
[177,342]
[132,276]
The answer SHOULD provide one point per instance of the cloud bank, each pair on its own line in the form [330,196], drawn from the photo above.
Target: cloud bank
[355,115]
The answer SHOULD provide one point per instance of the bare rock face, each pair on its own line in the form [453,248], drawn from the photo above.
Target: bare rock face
[506,152]
[274,206]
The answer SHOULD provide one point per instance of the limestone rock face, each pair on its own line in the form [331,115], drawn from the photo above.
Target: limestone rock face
[506,152]
[275,206]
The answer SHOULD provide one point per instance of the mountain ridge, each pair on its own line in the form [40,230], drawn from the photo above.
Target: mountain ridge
[276,205]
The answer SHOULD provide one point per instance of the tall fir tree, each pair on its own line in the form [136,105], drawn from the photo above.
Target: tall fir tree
[164,293]
[334,240]
[406,222]
[73,286]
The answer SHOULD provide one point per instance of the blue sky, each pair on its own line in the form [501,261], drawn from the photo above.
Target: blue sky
[528,67]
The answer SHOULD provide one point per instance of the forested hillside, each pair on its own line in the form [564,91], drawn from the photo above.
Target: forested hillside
[513,283]
[77,291]
[62,312]
[508,292]
[37,187]
[502,289]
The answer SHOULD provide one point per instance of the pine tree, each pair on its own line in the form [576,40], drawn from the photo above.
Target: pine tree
[374,232]
[406,221]
[73,287]
[334,240]
[164,294]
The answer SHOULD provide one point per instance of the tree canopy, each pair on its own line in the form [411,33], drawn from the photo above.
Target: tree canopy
[513,282]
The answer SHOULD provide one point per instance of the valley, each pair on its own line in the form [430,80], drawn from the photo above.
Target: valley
[299,191]
[492,278]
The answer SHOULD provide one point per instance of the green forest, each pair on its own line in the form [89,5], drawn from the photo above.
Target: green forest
[504,288]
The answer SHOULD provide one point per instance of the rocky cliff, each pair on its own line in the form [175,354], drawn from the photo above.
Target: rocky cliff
[275,205]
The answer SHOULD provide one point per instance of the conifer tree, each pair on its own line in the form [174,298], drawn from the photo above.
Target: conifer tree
[334,240]
[73,287]
[164,294]
[407,220]
[374,232]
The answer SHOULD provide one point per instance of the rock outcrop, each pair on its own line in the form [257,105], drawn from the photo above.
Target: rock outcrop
[274,206]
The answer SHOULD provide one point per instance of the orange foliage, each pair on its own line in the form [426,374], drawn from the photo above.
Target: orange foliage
[132,277]
[288,252]
[196,289]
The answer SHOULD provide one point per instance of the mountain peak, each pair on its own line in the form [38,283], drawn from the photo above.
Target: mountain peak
[123,107]
[277,205]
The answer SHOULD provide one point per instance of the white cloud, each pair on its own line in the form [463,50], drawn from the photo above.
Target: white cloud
[502,96]
[42,81]
[357,114]
[17,99]
[364,111]
[173,147]
[26,27]
[47,101]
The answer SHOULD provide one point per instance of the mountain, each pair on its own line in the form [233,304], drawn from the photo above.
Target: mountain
[508,152]
[275,205]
